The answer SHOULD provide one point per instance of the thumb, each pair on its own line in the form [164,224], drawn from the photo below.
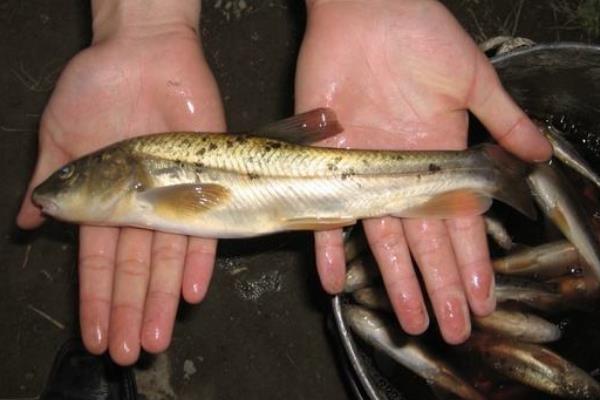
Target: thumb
[507,123]
[50,157]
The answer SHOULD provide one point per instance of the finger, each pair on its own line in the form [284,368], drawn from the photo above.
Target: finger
[132,271]
[430,245]
[470,248]
[198,269]
[166,271]
[331,264]
[387,242]
[502,116]
[97,248]
[49,159]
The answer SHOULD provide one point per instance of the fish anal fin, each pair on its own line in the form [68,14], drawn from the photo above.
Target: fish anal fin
[185,200]
[317,224]
[304,128]
[457,203]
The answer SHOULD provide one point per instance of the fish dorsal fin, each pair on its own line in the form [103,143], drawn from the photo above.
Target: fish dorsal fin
[305,128]
[186,200]
[457,203]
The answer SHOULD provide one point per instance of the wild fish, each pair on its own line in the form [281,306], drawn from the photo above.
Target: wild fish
[519,325]
[565,152]
[361,273]
[237,185]
[544,261]
[496,230]
[539,295]
[407,351]
[535,366]
[554,196]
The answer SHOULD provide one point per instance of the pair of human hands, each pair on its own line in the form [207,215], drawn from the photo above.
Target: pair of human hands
[399,74]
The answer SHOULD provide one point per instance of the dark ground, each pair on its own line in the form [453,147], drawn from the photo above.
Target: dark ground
[261,333]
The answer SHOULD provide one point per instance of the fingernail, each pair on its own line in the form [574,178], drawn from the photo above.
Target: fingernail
[454,323]
[412,314]
[483,294]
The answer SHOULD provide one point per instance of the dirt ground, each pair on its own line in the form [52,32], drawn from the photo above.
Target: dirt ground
[264,322]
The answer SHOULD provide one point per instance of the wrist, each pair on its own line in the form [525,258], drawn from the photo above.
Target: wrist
[136,18]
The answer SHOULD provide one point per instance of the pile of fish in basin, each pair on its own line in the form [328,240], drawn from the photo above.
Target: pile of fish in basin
[543,341]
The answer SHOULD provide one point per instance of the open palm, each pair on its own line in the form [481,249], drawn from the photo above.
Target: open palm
[402,75]
[130,279]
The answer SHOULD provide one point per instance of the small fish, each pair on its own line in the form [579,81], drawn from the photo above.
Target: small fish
[565,152]
[519,325]
[579,289]
[538,295]
[498,233]
[374,298]
[534,365]
[407,351]
[361,273]
[235,185]
[354,245]
[545,261]
[554,196]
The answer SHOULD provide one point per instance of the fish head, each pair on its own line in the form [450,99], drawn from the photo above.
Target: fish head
[89,189]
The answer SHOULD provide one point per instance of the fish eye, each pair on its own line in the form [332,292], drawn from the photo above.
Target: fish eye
[66,172]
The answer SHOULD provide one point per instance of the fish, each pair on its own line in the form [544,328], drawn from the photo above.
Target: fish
[565,152]
[361,273]
[555,197]
[543,296]
[374,298]
[533,365]
[545,261]
[407,351]
[519,325]
[244,185]
[496,230]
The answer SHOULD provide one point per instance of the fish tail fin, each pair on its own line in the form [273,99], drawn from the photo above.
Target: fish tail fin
[511,174]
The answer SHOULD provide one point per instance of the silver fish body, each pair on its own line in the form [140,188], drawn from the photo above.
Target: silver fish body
[519,325]
[545,261]
[225,186]
[407,351]
[555,198]
[535,366]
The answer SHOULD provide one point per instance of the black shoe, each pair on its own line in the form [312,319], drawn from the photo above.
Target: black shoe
[79,375]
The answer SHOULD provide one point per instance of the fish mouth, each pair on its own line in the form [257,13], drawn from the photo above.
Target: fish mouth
[47,205]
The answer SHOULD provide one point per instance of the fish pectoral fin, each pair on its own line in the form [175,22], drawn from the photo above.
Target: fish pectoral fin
[317,224]
[457,203]
[185,200]
[304,128]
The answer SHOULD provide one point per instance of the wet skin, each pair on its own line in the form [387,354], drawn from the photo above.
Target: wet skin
[149,78]
[407,82]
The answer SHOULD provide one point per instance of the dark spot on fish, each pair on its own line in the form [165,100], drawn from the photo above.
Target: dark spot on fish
[275,145]
[229,144]
[252,176]
[419,177]
[332,167]
[212,146]
[398,157]
[241,138]
[365,162]
[201,152]
[434,168]
[200,165]
[268,148]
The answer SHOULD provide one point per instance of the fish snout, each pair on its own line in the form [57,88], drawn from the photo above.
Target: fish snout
[44,201]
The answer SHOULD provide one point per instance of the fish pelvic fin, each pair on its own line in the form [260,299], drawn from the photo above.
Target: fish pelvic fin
[511,175]
[305,128]
[185,201]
